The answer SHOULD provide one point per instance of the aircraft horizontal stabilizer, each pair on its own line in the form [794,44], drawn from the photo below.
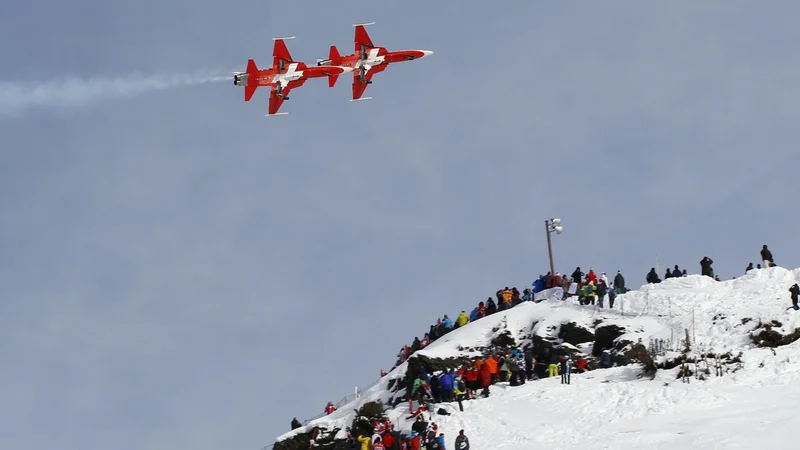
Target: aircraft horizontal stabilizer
[363,24]
[362,98]
[281,38]
[277,114]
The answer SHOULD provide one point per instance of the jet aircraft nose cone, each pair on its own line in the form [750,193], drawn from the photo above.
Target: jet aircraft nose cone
[427,52]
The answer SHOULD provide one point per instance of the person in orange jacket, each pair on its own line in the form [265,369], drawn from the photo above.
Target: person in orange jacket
[491,364]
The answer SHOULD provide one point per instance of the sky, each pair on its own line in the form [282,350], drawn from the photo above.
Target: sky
[179,271]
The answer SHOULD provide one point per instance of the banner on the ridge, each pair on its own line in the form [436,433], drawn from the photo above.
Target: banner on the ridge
[555,293]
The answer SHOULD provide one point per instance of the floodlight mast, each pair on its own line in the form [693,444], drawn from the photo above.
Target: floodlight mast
[552,225]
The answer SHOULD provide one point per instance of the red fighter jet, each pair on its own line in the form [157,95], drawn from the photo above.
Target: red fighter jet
[367,60]
[284,75]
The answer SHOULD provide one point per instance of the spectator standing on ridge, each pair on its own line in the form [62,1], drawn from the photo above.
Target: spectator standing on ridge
[591,276]
[462,319]
[330,408]
[652,276]
[612,295]
[604,277]
[619,283]
[795,290]
[705,267]
[577,276]
[677,272]
[296,423]
[667,274]
[491,306]
[766,257]
[749,268]
[602,290]
[462,442]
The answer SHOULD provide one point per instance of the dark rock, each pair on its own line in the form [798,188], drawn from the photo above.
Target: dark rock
[764,335]
[575,334]
[367,414]
[324,438]
[604,338]
[504,339]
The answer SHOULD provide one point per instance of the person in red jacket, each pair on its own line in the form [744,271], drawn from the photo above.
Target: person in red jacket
[414,443]
[387,439]
[485,379]
[471,380]
[580,365]
[591,276]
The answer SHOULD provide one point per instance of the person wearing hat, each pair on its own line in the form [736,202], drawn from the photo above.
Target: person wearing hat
[462,441]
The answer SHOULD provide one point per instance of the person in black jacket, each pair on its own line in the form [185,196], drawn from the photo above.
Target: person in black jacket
[462,442]
[491,307]
[795,290]
[766,257]
[619,283]
[677,272]
[577,276]
[602,290]
[296,423]
[749,268]
[705,267]
[652,276]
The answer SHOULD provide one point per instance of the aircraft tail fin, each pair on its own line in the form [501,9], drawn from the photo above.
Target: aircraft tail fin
[334,55]
[250,88]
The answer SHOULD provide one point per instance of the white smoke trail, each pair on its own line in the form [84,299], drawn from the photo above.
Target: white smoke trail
[16,97]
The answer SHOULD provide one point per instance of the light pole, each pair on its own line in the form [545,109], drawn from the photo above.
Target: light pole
[551,226]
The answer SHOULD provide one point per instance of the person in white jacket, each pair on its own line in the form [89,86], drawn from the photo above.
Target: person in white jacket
[604,277]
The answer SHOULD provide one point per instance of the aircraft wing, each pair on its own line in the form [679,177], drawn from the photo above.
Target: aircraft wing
[280,54]
[279,93]
[362,37]
[359,86]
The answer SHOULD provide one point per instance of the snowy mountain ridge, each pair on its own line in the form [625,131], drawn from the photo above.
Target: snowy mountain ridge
[744,320]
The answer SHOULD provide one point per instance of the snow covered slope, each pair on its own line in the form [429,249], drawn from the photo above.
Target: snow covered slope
[750,406]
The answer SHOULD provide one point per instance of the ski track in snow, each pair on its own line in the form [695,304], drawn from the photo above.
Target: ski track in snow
[614,408]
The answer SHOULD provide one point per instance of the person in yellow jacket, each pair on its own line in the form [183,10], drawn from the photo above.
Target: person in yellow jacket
[462,319]
[365,442]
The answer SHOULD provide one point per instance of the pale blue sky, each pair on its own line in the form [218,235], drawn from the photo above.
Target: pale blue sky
[179,271]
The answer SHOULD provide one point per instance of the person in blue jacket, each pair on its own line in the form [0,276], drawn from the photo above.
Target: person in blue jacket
[473,316]
[538,285]
[448,324]
[440,441]
[446,380]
